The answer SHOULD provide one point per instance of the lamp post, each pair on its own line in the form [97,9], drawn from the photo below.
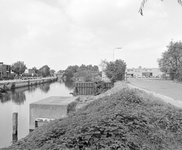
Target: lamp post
[114,49]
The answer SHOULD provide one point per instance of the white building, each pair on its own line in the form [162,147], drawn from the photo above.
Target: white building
[143,72]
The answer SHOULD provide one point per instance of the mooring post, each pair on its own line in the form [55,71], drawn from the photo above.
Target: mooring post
[15,127]
[36,123]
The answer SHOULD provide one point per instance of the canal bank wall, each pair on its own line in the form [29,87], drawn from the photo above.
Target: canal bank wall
[13,84]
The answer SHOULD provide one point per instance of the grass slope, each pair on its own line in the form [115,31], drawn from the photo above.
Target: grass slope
[127,120]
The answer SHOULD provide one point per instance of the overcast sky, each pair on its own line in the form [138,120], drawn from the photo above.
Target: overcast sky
[59,33]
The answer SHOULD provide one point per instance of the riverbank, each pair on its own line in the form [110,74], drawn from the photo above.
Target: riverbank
[13,84]
[122,118]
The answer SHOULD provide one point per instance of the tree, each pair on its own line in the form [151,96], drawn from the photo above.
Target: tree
[44,71]
[144,2]
[115,70]
[83,72]
[69,72]
[18,67]
[171,61]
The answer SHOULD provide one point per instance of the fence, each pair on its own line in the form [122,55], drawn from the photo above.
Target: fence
[89,88]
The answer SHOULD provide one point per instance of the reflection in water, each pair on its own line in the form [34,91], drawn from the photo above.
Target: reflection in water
[45,87]
[69,84]
[16,101]
[31,89]
[5,98]
[18,96]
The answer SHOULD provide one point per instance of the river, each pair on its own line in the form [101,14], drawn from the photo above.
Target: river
[19,100]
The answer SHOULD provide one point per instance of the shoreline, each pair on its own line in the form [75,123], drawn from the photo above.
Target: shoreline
[13,84]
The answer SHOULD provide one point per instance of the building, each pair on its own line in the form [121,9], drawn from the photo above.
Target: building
[143,72]
[5,71]
[31,72]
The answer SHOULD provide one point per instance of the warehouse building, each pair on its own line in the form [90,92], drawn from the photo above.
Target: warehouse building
[143,72]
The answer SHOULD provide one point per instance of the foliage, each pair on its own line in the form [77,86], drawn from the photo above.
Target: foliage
[143,4]
[18,67]
[44,71]
[100,87]
[128,120]
[86,75]
[69,72]
[84,72]
[171,61]
[115,70]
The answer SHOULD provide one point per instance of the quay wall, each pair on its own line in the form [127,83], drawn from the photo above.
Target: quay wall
[12,84]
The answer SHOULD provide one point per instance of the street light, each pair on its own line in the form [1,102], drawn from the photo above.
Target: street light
[114,49]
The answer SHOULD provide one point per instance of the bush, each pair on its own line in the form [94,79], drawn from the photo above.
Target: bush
[128,120]
[100,87]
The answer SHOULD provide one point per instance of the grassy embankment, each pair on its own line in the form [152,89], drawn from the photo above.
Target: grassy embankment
[127,120]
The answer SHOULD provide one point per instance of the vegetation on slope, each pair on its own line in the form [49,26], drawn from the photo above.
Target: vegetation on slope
[127,120]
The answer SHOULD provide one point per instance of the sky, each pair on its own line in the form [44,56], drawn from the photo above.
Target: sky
[60,33]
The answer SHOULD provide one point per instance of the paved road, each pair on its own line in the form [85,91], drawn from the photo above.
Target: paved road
[167,88]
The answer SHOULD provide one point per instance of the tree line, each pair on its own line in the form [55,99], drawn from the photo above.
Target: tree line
[82,73]
[19,68]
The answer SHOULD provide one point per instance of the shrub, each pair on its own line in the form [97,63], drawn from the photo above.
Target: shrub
[128,120]
[100,87]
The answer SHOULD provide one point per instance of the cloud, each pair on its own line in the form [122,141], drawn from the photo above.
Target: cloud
[63,32]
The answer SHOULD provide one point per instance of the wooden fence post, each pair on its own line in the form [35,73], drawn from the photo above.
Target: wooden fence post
[15,127]
[36,123]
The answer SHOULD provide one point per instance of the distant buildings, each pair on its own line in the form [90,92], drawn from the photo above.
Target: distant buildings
[143,72]
[32,72]
[5,70]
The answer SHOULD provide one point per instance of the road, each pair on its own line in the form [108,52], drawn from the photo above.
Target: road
[167,88]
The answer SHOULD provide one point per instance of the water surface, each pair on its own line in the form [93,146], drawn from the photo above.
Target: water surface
[19,100]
